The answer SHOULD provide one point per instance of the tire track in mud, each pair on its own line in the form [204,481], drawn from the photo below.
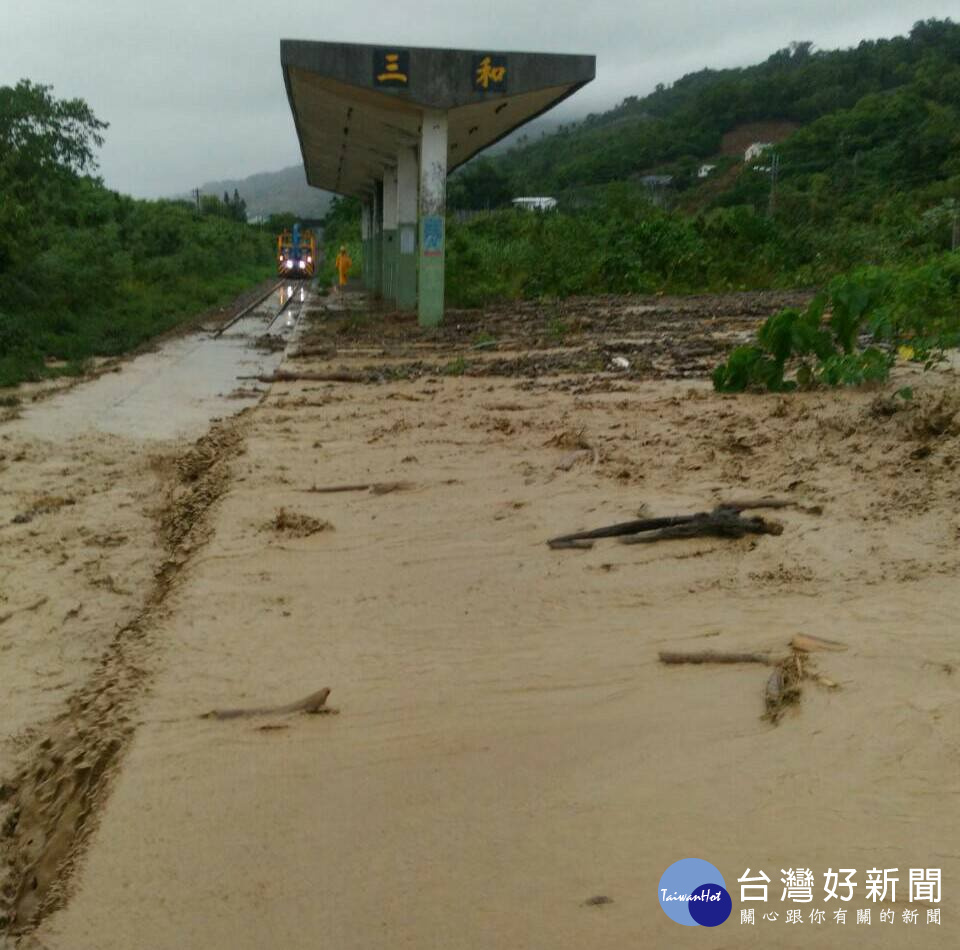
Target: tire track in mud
[49,809]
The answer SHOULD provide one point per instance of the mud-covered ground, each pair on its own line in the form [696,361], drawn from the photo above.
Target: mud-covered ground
[512,765]
[634,337]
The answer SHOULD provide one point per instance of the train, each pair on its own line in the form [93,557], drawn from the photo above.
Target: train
[297,253]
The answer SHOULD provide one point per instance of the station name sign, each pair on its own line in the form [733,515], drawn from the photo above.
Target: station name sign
[391,70]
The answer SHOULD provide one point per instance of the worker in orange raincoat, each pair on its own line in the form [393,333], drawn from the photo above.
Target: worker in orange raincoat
[343,265]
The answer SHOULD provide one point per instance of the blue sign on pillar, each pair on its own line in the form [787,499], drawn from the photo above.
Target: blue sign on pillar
[433,236]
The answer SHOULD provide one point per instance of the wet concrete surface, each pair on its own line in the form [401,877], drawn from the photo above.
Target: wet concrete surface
[173,391]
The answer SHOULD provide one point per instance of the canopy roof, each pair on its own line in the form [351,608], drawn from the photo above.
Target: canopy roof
[356,105]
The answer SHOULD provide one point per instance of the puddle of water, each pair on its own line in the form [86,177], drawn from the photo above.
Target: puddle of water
[171,393]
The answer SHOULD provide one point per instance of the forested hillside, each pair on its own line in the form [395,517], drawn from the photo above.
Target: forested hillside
[279,192]
[885,112]
[866,172]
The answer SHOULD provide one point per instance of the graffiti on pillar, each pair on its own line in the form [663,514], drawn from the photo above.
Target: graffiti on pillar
[432,237]
[490,73]
[391,67]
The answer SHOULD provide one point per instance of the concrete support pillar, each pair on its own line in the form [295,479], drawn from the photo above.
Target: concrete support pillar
[365,219]
[376,242]
[407,228]
[433,204]
[390,235]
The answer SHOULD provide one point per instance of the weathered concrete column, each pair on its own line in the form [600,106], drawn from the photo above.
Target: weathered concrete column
[366,214]
[407,228]
[433,204]
[390,235]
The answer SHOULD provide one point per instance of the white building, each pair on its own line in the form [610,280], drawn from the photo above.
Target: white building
[756,150]
[705,170]
[535,204]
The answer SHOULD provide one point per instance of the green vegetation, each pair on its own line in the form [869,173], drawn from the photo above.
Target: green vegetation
[915,310]
[87,272]
[869,177]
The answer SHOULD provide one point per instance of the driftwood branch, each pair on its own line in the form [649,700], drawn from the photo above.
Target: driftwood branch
[286,376]
[375,488]
[315,704]
[721,522]
[712,656]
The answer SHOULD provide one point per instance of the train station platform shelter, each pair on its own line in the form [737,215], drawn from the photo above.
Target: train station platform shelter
[386,124]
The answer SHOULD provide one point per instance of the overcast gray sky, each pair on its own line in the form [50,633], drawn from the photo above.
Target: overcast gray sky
[193,91]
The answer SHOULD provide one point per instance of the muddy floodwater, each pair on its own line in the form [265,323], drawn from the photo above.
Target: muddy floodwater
[514,763]
[172,392]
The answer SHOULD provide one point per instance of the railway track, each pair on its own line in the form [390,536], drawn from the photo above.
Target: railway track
[295,292]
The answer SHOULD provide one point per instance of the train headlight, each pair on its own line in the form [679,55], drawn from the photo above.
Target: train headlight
[309,259]
[303,265]
[289,265]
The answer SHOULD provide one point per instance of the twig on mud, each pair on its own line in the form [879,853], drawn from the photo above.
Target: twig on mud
[22,610]
[712,656]
[375,488]
[314,704]
[285,376]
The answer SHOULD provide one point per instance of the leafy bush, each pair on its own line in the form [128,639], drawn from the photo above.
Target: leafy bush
[915,309]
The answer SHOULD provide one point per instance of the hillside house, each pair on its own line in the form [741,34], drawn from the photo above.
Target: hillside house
[535,204]
[704,171]
[755,150]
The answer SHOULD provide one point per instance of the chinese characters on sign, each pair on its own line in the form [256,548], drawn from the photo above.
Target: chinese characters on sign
[490,73]
[391,68]
[881,885]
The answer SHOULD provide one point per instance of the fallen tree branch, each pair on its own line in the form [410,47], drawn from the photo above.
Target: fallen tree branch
[309,376]
[314,704]
[375,488]
[721,522]
[712,656]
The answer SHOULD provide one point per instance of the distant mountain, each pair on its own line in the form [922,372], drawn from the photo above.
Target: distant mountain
[274,193]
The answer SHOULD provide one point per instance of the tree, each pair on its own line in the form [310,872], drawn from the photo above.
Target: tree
[39,133]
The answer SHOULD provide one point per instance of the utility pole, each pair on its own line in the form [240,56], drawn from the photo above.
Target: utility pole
[774,175]
[196,198]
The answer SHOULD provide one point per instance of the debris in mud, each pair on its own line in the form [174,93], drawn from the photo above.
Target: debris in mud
[298,525]
[724,521]
[713,656]
[809,644]
[43,505]
[21,610]
[937,416]
[598,901]
[375,488]
[314,704]
[269,342]
[783,687]
[569,439]
[286,376]
[245,392]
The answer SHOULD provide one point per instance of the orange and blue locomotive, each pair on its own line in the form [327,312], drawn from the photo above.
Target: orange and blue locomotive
[297,253]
